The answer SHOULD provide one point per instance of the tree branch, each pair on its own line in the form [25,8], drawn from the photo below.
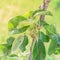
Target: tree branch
[30,56]
[44,7]
[34,38]
[42,17]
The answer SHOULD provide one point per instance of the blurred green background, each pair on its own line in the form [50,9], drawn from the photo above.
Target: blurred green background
[11,8]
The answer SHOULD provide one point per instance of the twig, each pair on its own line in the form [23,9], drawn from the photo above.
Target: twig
[30,56]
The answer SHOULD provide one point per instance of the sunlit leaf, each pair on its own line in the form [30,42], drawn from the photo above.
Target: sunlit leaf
[41,12]
[17,43]
[15,21]
[28,14]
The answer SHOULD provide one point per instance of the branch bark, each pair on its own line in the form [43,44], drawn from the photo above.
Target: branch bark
[30,56]
[44,7]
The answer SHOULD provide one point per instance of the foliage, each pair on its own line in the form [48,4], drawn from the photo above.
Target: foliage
[23,27]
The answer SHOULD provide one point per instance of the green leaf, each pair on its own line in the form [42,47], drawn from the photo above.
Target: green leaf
[35,50]
[13,23]
[13,55]
[43,23]
[58,39]
[50,29]
[17,43]
[23,29]
[10,40]
[36,11]
[14,31]
[49,13]
[28,14]
[6,49]
[20,30]
[41,12]
[53,44]
[57,51]
[24,43]
[2,47]
[38,52]
[43,37]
